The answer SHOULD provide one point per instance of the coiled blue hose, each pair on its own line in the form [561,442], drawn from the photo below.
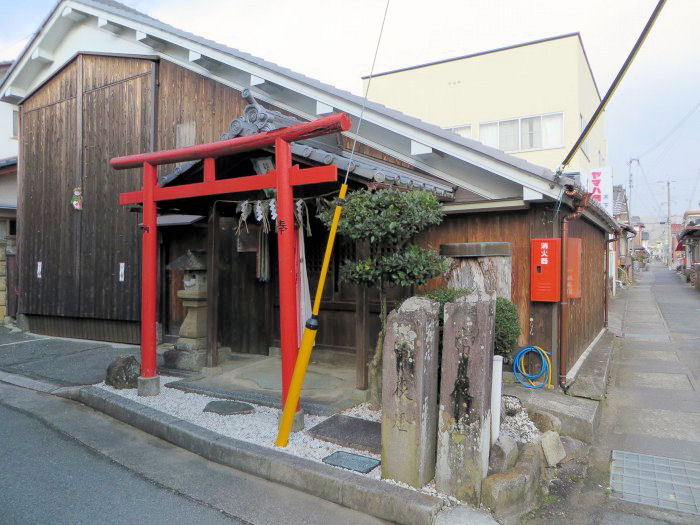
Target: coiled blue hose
[545,373]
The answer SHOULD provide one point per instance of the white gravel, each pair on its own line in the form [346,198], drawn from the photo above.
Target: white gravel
[364,411]
[517,425]
[260,427]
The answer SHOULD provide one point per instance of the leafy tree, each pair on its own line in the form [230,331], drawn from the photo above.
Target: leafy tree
[382,224]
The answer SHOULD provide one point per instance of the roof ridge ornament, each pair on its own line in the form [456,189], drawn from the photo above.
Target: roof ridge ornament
[256,119]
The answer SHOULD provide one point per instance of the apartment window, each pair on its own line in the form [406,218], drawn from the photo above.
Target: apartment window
[531,133]
[464,131]
[488,134]
[15,124]
[523,134]
[508,135]
[552,130]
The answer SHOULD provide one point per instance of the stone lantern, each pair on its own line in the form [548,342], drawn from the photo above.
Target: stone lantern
[191,347]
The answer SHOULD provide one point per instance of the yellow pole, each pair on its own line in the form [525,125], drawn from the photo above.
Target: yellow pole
[309,336]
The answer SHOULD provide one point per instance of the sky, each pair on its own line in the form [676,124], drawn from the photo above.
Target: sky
[334,41]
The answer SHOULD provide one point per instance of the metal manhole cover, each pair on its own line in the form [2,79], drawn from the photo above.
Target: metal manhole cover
[666,483]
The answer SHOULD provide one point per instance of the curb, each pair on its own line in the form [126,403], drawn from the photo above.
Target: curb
[373,497]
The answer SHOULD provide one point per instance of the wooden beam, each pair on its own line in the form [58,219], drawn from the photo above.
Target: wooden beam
[256,81]
[69,13]
[531,195]
[418,148]
[150,41]
[323,109]
[103,23]
[41,56]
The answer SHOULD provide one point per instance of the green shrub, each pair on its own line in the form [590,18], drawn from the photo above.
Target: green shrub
[507,329]
[446,295]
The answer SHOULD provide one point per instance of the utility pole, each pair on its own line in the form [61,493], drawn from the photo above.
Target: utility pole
[668,222]
[629,195]
[669,234]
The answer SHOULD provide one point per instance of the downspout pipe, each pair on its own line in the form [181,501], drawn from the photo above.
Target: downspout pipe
[582,201]
[607,274]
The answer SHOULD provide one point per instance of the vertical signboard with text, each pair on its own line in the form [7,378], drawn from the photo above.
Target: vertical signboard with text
[599,183]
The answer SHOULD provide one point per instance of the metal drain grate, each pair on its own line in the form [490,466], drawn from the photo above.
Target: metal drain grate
[652,480]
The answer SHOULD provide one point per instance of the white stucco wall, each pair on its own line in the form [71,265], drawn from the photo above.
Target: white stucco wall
[8,144]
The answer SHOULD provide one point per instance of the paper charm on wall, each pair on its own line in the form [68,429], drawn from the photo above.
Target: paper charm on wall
[77,198]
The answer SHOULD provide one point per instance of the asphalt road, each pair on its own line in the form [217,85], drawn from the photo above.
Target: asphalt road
[47,478]
[62,462]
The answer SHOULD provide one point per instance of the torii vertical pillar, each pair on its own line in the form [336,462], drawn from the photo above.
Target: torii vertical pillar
[148,381]
[287,270]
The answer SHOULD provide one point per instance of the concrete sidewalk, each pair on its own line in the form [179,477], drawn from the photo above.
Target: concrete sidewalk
[63,362]
[653,402]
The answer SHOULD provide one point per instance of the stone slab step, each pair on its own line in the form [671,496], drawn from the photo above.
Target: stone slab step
[592,378]
[579,417]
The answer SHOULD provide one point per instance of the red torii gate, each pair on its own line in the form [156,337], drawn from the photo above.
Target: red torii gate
[283,177]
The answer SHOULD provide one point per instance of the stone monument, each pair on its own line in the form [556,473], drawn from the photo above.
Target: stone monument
[464,424]
[190,349]
[409,392]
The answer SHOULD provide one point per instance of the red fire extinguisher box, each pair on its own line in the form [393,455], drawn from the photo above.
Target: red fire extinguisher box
[545,270]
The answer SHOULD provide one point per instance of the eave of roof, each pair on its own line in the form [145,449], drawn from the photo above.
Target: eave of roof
[442,140]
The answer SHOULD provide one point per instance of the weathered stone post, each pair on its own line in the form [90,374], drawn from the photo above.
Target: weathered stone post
[190,348]
[480,266]
[465,396]
[409,392]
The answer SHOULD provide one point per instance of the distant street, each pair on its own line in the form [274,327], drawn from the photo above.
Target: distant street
[85,467]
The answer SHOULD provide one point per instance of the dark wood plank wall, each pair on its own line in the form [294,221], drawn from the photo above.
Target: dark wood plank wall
[587,314]
[243,301]
[47,223]
[117,120]
[62,86]
[186,98]
[95,108]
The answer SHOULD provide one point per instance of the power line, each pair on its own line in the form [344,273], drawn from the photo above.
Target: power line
[616,82]
[651,192]
[364,100]
[673,130]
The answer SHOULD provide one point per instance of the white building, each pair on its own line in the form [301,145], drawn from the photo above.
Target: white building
[9,123]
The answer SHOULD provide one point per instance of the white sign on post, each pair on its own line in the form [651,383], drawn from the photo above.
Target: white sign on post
[599,183]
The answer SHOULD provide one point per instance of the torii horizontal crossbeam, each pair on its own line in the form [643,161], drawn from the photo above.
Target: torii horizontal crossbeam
[250,183]
[323,126]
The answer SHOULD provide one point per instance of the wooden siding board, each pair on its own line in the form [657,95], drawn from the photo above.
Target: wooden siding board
[62,86]
[110,112]
[72,126]
[50,160]
[101,71]
[586,315]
